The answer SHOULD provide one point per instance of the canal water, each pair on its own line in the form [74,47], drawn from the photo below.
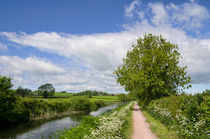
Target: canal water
[43,128]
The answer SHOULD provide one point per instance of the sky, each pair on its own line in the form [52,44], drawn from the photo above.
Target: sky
[77,44]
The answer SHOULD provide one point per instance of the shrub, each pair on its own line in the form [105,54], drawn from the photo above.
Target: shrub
[186,114]
[80,103]
[97,104]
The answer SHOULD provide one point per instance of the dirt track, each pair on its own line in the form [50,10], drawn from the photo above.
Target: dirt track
[140,126]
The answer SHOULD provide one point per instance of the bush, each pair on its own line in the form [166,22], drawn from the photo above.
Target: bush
[97,104]
[10,108]
[80,103]
[186,114]
[81,130]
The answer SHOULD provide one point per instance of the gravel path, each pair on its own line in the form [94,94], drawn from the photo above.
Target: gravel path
[140,126]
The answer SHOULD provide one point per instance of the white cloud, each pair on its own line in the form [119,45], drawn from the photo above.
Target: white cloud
[159,12]
[104,52]
[33,65]
[188,15]
[129,10]
[98,51]
[3,47]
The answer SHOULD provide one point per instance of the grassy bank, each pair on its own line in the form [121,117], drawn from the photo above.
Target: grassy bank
[109,125]
[35,108]
[186,115]
[128,128]
[161,131]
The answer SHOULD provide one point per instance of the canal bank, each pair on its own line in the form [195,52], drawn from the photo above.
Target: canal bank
[43,128]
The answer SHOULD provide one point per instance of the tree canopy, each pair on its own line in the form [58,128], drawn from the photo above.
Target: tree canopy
[46,90]
[22,91]
[10,110]
[151,69]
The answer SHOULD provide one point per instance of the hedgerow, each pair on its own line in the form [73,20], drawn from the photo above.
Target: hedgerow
[187,115]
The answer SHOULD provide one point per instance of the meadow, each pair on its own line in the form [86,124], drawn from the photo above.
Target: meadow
[104,98]
[68,96]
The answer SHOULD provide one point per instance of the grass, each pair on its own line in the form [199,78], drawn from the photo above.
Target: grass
[129,127]
[63,94]
[104,98]
[107,125]
[94,98]
[158,128]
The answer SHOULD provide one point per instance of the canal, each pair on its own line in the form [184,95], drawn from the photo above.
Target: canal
[38,129]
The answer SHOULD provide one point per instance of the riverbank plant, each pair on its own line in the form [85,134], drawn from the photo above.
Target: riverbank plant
[160,130]
[110,125]
[187,115]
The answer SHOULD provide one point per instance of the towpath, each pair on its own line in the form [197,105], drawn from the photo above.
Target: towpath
[140,126]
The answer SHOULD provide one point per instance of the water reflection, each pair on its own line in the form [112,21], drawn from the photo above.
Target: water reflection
[37,129]
[48,128]
[102,110]
[44,128]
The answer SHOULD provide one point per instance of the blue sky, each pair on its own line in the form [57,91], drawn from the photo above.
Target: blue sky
[76,44]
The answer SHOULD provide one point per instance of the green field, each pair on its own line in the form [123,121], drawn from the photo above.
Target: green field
[104,98]
[63,94]
[67,97]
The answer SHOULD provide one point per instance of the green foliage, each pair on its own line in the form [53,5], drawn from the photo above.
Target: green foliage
[158,128]
[186,114]
[10,109]
[151,69]
[5,84]
[105,98]
[123,97]
[109,125]
[37,108]
[97,104]
[46,90]
[22,92]
[81,130]
[62,95]
[80,103]
[91,93]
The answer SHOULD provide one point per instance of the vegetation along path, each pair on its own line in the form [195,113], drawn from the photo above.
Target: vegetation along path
[140,127]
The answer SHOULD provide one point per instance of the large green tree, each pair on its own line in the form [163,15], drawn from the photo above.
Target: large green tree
[46,90]
[10,107]
[151,69]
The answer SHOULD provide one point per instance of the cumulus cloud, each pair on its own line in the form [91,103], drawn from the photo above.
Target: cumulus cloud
[188,15]
[98,51]
[160,15]
[33,65]
[102,53]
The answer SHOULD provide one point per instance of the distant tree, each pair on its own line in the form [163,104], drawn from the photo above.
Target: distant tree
[151,69]
[206,92]
[22,91]
[63,92]
[123,97]
[46,90]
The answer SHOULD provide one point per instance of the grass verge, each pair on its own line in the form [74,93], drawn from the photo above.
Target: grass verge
[128,129]
[161,131]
